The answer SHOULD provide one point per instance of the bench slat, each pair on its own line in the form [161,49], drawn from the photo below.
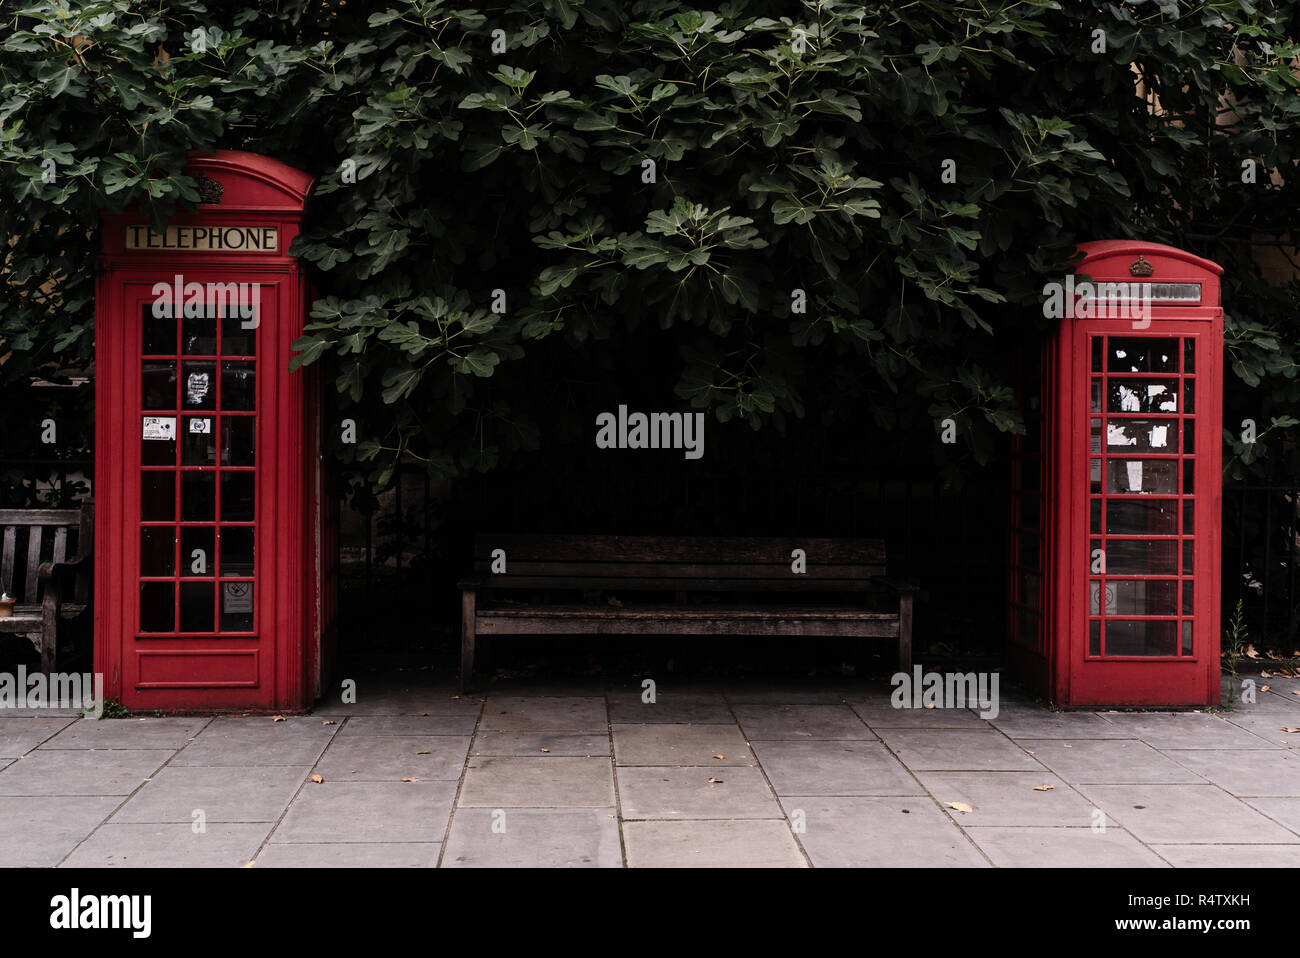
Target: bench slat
[40,517]
[7,559]
[34,535]
[532,623]
[708,550]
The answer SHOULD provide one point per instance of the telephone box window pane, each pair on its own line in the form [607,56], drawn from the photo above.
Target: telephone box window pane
[1143,356]
[1143,395]
[1094,475]
[1126,637]
[1141,435]
[198,497]
[157,555]
[1187,518]
[235,340]
[156,608]
[1029,590]
[158,333]
[1189,437]
[236,607]
[1094,597]
[1132,517]
[1189,355]
[237,497]
[199,390]
[196,607]
[1159,476]
[1189,480]
[197,555]
[236,550]
[1187,637]
[198,444]
[237,445]
[1189,403]
[1141,597]
[1094,638]
[158,385]
[158,496]
[1095,405]
[1094,517]
[1096,354]
[158,441]
[1187,597]
[1187,558]
[1141,557]
[238,386]
[199,334]
[1030,512]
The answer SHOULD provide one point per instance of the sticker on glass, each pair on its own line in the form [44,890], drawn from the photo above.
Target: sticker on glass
[238,597]
[200,425]
[196,387]
[159,427]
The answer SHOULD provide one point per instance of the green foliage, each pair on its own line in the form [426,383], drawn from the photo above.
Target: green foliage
[796,146]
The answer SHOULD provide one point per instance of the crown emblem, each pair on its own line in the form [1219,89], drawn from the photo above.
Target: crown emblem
[1140,267]
[210,191]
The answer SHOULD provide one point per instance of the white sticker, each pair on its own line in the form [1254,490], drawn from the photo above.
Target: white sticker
[238,597]
[200,425]
[196,387]
[159,427]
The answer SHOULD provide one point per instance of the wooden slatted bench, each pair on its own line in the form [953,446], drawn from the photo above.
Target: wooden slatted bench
[52,588]
[681,586]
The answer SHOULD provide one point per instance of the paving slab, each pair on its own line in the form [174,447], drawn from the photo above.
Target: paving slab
[391,758]
[81,772]
[513,713]
[771,723]
[834,768]
[38,834]
[701,708]
[1176,730]
[1247,772]
[872,832]
[877,717]
[534,838]
[382,696]
[537,782]
[350,855]
[1110,762]
[128,733]
[957,750]
[458,724]
[169,846]
[782,693]
[1056,847]
[256,794]
[744,844]
[1008,798]
[1284,811]
[1041,723]
[1230,856]
[586,744]
[687,793]
[1270,726]
[681,745]
[1185,814]
[258,740]
[18,736]
[401,812]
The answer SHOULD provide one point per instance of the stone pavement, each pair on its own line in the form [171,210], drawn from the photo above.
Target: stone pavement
[583,775]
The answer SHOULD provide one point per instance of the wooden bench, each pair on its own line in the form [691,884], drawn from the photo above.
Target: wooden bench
[50,587]
[738,586]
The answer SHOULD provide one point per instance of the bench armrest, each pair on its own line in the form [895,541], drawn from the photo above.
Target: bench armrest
[896,585]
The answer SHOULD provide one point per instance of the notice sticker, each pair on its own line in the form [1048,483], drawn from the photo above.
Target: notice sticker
[196,387]
[237,597]
[159,427]
[200,425]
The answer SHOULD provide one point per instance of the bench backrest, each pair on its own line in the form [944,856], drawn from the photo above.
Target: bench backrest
[33,536]
[677,562]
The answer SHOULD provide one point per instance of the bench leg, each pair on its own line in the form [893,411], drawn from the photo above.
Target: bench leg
[905,633]
[468,623]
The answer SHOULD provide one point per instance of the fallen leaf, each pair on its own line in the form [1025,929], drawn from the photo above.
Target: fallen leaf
[1295,691]
[424,752]
[719,757]
[1264,688]
[277,718]
[1069,746]
[318,779]
[251,864]
[329,722]
[455,697]
[1265,675]
[1287,728]
[1043,788]
[410,779]
[614,602]
[546,750]
[960,806]
[715,781]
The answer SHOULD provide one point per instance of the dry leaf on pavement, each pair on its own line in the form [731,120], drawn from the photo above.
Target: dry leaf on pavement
[960,806]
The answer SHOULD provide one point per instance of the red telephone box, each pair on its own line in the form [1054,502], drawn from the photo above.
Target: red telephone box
[209,514]
[1117,486]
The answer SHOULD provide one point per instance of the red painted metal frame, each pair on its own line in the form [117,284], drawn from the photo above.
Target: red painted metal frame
[279,665]
[1078,678]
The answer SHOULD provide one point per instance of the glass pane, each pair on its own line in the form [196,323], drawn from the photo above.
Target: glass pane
[199,388]
[1189,355]
[1189,436]
[1141,597]
[236,550]
[157,555]
[199,334]
[1096,560]
[1187,597]
[1094,435]
[1187,517]
[1095,405]
[1143,395]
[1142,475]
[156,609]
[158,337]
[1143,355]
[237,445]
[1029,590]
[1187,558]
[1140,435]
[1156,517]
[197,555]
[1030,512]
[238,386]
[1094,597]
[1189,483]
[1094,475]
[1187,637]
[1094,517]
[1189,392]
[198,497]
[158,496]
[1141,557]
[1094,638]
[1125,637]
[158,441]
[235,340]
[196,607]
[1096,354]
[158,384]
[236,607]
[237,497]
[198,444]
